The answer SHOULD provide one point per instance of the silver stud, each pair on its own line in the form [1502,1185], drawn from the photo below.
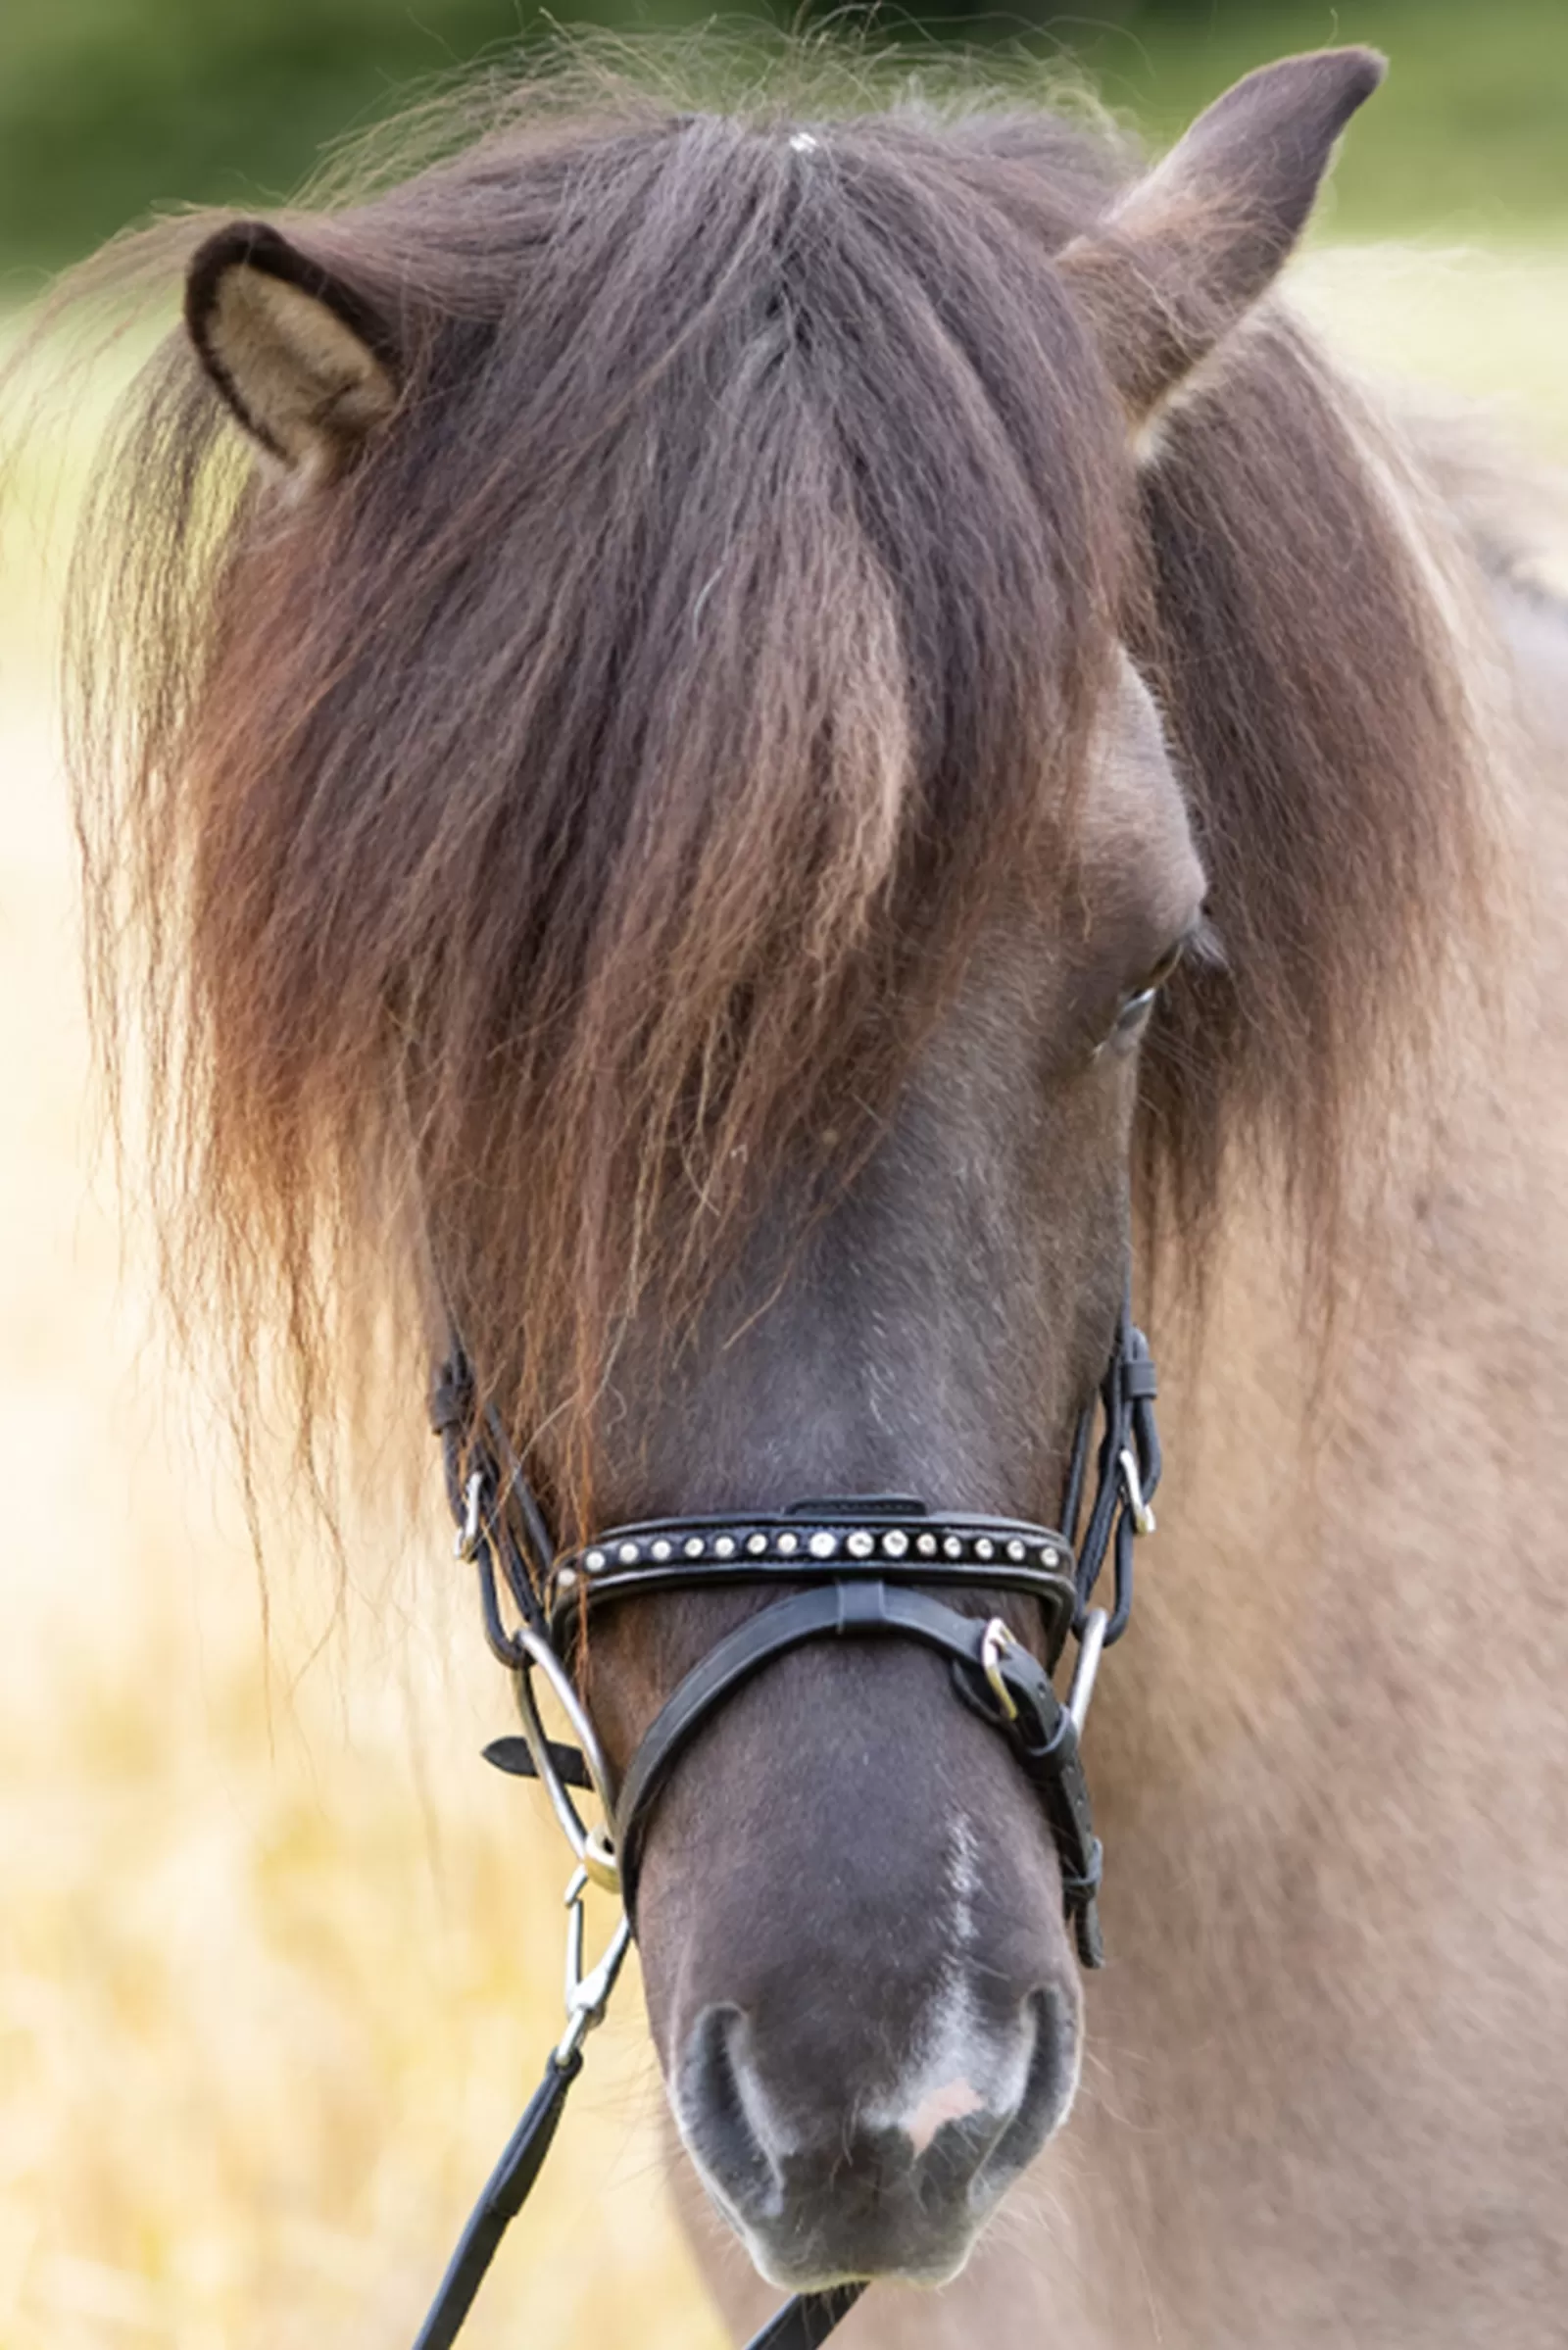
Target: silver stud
[594,1561]
[757,1544]
[724,1548]
[788,1544]
[823,1545]
[661,1550]
[926,1544]
[1048,1557]
[895,1544]
[985,1548]
[693,1545]
[952,1547]
[628,1554]
[1015,1549]
[566,1580]
[859,1546]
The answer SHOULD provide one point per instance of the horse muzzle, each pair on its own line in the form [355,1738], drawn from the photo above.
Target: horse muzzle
[899,2185]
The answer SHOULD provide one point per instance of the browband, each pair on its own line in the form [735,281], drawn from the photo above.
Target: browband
[839,1541]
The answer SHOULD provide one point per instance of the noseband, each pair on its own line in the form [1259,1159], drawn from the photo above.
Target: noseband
[854,1568]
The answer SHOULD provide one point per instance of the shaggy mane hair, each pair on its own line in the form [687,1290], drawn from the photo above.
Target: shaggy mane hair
[515,856]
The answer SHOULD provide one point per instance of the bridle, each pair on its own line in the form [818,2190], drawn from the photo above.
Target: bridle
[858,1567]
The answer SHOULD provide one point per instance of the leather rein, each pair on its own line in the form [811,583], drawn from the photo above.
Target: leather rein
[859,1567]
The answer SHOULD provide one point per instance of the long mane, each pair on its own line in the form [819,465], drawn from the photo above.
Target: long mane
[517,857]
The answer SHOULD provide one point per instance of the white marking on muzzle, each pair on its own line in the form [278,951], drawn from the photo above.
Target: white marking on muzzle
[951,2103]
[955,2070]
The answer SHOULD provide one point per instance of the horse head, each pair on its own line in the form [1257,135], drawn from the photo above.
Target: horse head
[721,703]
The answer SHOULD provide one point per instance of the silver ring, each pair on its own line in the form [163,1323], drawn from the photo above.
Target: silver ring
[591,1847]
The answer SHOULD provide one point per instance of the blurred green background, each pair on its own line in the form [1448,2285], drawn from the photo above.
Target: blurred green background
[108,107]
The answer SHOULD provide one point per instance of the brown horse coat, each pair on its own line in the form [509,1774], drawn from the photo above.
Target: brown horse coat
[635,812]
[1325,2094]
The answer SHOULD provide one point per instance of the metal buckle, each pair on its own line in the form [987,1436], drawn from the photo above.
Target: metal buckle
[995,1642]
[1132,1486]
[466,1541]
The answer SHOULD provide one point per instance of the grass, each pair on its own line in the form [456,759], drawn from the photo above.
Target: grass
[279,1958]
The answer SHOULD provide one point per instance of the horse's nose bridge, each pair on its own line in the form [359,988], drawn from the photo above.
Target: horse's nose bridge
[862,1873]
[846,1348]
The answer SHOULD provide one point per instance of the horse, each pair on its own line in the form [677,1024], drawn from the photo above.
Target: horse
[742,752]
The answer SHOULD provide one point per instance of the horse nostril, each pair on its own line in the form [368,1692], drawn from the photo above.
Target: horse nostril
[716,2102]
[1048,2091]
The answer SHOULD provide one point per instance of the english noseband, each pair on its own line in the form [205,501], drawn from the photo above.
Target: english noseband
[841,1568]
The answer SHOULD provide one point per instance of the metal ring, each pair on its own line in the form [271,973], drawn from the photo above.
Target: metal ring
[591,1847]
[1091,1647]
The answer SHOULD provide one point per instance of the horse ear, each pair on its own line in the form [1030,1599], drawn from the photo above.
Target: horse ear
[306,363]
[1190,247]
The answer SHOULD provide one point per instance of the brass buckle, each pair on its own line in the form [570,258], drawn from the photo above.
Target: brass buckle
[995,1642]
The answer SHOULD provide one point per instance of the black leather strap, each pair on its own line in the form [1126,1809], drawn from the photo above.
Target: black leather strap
[1045,1742]
[1041,1731]
[807,2319]
[801,2325]
[516,1756]
[863,1594]
[1127,1427]
[881,1537]
[505,2192]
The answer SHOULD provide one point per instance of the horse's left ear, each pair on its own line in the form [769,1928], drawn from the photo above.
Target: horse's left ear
[305,363]
[1190,248]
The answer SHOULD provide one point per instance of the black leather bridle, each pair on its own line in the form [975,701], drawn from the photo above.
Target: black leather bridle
[858,1567]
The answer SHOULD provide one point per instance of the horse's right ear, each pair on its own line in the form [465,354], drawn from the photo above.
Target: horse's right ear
[1190,248]
[305,364]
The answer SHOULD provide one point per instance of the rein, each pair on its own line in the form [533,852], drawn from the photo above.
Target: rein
[861,1567]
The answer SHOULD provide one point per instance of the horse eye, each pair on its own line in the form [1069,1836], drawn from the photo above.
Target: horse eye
[1136,1007]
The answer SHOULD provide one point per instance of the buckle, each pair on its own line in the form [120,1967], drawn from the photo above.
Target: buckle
[995,1642]
[1132,1486]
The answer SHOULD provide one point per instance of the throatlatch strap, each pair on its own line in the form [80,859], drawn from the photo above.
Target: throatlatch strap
[505,2193]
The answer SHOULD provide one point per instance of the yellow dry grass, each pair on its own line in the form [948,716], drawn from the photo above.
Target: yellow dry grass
[279,1958]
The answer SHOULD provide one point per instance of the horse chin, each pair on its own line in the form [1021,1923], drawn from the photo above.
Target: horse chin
[805,2267]
[790,2277]
[801,2265]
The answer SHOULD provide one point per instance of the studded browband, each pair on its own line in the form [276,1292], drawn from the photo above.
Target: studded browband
[863,1536]
[829,1569]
